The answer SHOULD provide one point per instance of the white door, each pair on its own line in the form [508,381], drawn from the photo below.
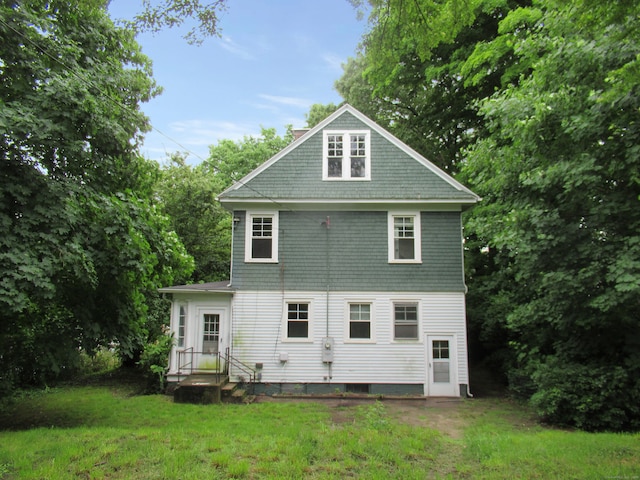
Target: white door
[441,368]
[210,322]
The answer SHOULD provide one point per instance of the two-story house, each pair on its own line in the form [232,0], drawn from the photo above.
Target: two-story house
[347,271]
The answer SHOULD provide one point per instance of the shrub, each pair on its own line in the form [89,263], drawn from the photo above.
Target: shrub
[589,397]
[154,362]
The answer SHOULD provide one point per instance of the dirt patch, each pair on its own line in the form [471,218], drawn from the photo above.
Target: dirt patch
[442,414]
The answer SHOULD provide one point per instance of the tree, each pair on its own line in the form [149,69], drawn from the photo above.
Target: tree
[536,102]
[318,112]
[188,196]
[83,245]
[559,177]
[229,161]
[417,87]
[173,13]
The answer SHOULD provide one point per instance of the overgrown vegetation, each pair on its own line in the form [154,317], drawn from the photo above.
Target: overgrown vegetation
[535,105]
[106,432]
[154,362]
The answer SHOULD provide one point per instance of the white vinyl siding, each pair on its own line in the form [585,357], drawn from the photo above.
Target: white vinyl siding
[258,330]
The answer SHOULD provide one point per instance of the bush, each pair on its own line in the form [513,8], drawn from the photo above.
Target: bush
[154,362]
[589,397]
[103,360]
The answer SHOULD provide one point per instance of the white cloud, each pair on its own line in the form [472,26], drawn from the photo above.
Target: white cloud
[208,132]
[287,101]
[334,62]
[238,50]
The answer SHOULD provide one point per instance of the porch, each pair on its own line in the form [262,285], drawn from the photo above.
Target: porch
[208,382]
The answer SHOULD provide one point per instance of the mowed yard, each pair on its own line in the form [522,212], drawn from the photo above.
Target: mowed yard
[106,430]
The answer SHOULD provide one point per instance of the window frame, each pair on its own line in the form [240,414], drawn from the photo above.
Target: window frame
[348,320]
[417,237]
[346,156]
[181,328]
[248,238]
[285,320]
[406,303]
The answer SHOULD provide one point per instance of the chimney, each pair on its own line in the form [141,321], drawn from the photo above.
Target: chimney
[298,132]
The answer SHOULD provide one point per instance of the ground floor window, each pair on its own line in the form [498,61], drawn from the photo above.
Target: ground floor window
[405,321]
[360,321]
[297,320]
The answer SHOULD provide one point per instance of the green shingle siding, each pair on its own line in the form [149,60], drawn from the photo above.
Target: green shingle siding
[394,174]
[358,255]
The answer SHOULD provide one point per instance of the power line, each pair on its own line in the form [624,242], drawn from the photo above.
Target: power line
[88,82]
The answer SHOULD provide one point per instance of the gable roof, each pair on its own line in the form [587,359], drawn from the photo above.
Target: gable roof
[399,174]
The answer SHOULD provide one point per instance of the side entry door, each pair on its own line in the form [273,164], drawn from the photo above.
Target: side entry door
[441,368]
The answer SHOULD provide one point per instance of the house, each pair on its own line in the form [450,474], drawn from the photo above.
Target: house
[346,275]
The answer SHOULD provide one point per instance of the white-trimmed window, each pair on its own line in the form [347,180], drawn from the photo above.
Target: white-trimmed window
[298,320]
[182,325]
[261,237]
[347,155]
[405,238]
[405,321]
[360,324]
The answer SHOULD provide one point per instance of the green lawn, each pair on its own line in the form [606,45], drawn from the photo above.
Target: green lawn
[105,431]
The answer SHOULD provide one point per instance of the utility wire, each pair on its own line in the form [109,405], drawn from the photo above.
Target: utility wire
[132,112]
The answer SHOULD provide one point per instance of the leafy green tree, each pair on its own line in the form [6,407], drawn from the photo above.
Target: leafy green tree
[159,15]
[414,82]
[559,177]
[82,245]
[318,113]
[229,161]
[536,102]
[188,196]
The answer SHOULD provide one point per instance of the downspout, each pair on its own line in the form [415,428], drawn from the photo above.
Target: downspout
[327,224]
[466,290]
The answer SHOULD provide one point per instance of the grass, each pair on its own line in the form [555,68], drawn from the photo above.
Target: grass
[106,431]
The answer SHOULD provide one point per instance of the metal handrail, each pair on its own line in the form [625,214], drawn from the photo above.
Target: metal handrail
[222,361]
[189,364]
[241,366]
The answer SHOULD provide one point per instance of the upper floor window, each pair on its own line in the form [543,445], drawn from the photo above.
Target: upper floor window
[405,237]
[261,237]
[347,155]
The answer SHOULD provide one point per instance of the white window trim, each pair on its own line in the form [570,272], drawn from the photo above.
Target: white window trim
[182,307]
[417,227]
[346,172]
[418,304]
[347,337]
[249,231]
[285,320]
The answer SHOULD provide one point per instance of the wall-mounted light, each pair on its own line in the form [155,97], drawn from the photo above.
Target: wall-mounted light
[236,221]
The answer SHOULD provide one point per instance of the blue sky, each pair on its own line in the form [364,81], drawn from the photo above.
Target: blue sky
[274,59]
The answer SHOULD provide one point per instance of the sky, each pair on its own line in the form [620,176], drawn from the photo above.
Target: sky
[274,59]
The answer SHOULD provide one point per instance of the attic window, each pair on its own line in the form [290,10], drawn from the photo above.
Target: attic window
[347,155]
